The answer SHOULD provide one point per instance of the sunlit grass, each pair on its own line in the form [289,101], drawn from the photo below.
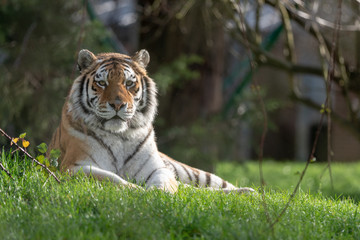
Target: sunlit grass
[34,207]
[285,175]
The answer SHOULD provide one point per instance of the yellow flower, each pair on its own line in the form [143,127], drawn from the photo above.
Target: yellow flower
[25,143]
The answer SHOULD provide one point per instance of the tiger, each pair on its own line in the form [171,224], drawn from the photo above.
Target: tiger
[106,128]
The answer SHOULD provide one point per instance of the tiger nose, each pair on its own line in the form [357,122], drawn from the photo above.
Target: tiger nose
[117,105]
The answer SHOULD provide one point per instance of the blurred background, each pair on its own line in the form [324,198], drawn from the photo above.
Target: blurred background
[209,59]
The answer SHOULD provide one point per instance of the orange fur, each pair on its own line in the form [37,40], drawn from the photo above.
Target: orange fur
[72,149]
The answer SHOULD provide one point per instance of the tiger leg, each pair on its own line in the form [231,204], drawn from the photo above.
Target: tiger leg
[101,174]
[240,190]
[198,178]
[162,178]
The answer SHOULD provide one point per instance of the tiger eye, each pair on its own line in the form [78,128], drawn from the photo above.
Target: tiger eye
[101,83]
[129,83]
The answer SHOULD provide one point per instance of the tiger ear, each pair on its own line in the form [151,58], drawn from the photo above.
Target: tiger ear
[142,57]
[85,59]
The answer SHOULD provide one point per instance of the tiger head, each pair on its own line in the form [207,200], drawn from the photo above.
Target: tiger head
[113,92]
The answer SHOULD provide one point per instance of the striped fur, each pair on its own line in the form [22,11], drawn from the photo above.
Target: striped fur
[106,127]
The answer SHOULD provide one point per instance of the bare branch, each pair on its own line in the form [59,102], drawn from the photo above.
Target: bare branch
[247,37]
[331,74]
[258,40]
[290,44]
[341,121]
[296,10]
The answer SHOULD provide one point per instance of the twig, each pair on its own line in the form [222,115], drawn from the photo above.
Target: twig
[338,119]
[32,158]
[313,30]
[328,89]
[302,173]
[290,44]
[328,114]
[321,21]
[265,121]
[242,28]
[4,169]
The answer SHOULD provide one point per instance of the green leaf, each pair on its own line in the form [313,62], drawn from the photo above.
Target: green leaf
[42,148]
[40,158]
[55,154]
[23,135]
[52,168]
[46,162]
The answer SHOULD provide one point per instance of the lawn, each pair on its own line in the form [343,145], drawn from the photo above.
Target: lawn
[34,207]
[281,176]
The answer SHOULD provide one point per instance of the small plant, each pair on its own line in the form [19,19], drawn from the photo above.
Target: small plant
[51,162]
[48,165]
[21,137]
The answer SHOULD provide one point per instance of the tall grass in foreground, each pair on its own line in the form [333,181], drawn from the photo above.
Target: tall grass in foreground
[34,207]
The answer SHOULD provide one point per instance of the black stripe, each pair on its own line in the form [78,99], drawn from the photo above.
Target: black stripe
[196,174]
[224,184]
[108,149]
[187,172]
[175,171]
[87,93]
[93,99]
[208,179]
[142,166]
[112,61]
[144,89]
[151,174]
[93,159]
[81,89]
[148,178]
[138,147]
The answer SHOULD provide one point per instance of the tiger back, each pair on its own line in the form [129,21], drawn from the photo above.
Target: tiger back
[106,128]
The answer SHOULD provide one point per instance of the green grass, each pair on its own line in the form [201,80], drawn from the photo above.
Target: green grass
[284,176]
[34,207]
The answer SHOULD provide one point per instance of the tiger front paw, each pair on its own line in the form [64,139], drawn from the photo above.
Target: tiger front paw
[240,190]
[171,186]
[134,186]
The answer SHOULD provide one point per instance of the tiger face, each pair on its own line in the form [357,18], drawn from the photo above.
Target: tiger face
[113,92]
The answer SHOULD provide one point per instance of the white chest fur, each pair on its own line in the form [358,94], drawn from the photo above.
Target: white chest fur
[132,156]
